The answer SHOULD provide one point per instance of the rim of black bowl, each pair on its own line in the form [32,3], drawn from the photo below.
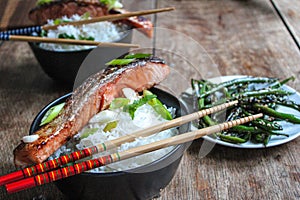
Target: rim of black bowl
[36,45]
[176,148]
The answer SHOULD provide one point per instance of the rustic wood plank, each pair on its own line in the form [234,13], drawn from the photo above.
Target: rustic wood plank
[2,9]
[14,13]
[8,12]
[241,37]
[24,90]
[289,11]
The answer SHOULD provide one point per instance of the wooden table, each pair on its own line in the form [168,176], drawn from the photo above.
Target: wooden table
[253,37]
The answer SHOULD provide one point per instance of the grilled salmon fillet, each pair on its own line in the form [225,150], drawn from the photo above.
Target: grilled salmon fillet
[57,9]
[94,95]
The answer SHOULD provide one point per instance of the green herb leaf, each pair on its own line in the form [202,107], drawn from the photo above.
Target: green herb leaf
[66,36]
[120,62]
[131,108]
[111,3]
[138,56]
[110,125]
[88,132]
[86,15]
[57,21]
[51,114]
[44,33]
[86,38]
[42,2]
[118,103]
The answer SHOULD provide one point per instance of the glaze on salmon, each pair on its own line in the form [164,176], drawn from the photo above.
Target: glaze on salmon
[94,95]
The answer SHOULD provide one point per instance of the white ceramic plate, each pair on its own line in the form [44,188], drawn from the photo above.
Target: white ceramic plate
[292,129]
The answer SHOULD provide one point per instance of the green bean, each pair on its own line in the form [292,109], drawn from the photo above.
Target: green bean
[264,97]
[244,129]
[246,80]
[258,138]
[227,94]
[271,112]
[202,89]
[207,120]
[264,124]
[289,104]
[267,125]
[266,140]
[264,137]
[282,134]
[261,135]
[231,139]
[280,83]
[258,93]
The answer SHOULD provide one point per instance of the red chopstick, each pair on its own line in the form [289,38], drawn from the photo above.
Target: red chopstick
[48,165]
[61,173]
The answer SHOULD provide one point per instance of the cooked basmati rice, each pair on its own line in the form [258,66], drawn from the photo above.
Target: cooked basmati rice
[99,31]
[144,117]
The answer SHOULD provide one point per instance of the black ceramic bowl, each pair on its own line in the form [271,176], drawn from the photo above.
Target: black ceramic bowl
[144,182]
[63,66]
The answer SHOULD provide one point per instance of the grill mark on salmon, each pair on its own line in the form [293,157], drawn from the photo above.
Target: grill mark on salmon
[57,9]
[94,95]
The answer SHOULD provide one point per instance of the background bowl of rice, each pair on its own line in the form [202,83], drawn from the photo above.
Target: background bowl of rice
[61,62]
[143,182]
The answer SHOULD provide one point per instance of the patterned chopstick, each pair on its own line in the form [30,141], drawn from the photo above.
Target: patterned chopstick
[30,29]
[22,31]
[98,162]
[77,155]
[112,17]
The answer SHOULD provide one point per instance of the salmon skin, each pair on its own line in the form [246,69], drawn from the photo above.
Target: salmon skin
[94,95]
[57,9]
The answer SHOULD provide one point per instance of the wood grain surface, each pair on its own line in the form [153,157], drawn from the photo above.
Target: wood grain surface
[289,12]
[14,13]
[248,38]
[229,37]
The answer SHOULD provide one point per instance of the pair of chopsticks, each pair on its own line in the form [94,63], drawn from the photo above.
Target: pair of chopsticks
[17,34]
[24,179]
[77,155]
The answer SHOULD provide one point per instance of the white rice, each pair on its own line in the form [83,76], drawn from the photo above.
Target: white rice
[100,31]
[145,116]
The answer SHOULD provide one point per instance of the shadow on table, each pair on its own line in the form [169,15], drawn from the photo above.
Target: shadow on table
[221,153]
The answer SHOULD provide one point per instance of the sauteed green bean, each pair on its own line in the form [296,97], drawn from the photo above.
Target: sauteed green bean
[255,94]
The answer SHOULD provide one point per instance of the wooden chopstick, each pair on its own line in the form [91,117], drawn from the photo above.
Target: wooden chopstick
[77,155]
[110,17]
[30,29]
[68,41]
[98,162]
